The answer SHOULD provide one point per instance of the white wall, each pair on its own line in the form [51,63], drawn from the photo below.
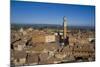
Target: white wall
[50,38]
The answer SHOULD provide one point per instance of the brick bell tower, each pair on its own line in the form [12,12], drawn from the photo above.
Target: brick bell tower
[65,37]
[64,27]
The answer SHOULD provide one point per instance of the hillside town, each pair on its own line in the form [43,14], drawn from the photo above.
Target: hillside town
[34,47]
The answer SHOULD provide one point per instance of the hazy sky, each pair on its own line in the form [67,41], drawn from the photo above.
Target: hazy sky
[46,13]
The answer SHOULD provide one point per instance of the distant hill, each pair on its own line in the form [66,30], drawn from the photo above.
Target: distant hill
[51,26]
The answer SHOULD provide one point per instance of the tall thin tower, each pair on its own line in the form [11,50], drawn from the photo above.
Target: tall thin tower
[64,27]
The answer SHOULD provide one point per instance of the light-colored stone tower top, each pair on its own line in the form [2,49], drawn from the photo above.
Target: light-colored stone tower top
[65,27]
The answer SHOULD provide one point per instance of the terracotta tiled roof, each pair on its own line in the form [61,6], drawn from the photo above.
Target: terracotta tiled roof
[32,58]
[19,54]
